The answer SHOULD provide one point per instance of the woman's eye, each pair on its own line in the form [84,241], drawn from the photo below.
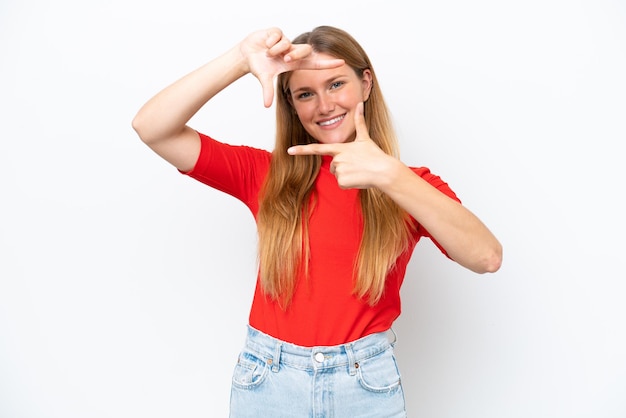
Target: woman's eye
[336,84]
[304,95]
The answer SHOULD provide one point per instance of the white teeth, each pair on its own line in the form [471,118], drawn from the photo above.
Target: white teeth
[330,122]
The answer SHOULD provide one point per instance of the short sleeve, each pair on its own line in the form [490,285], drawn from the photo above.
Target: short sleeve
[237,170]
[444,188]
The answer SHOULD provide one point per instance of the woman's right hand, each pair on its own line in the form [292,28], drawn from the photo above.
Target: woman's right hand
[268,53]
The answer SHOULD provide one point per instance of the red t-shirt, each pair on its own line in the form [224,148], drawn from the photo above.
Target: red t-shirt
[324,310]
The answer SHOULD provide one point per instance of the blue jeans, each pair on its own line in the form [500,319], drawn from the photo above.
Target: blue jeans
[275,379]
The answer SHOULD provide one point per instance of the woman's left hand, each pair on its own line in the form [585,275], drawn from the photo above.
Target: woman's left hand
[360,164]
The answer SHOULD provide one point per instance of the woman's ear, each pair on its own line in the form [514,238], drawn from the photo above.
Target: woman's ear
[368,83]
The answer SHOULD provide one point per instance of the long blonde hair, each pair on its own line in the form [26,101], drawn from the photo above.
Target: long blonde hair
[286,198]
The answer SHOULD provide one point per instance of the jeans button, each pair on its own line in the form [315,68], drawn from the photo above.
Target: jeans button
[319,357]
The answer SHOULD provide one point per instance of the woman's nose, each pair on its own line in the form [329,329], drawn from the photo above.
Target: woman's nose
[325,104]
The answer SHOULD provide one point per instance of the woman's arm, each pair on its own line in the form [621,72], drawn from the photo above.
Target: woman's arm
[362,164]
[465,238]
[162,122]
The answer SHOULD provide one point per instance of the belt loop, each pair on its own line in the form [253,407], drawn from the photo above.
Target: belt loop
[276,358]
[351,362]
[395,337]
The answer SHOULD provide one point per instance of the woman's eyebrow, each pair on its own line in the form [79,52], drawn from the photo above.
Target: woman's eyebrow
[325,82]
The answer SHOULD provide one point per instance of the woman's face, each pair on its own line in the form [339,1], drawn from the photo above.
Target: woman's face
[326,100]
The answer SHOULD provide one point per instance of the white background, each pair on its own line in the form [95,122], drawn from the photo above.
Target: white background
[125,286]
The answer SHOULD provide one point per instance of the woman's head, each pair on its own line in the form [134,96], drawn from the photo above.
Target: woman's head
[319,105]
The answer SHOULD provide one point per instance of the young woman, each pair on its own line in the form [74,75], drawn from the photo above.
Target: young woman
[338,217]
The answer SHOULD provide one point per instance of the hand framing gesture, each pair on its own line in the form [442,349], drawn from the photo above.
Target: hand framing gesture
[359,164]
[269,53]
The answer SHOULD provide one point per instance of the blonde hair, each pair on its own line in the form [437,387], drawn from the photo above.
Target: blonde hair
[286,199]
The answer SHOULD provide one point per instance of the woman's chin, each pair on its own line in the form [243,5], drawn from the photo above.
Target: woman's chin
[334,139]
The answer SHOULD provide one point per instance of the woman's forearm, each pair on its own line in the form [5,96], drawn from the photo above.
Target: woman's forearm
[166,114]
[464,237]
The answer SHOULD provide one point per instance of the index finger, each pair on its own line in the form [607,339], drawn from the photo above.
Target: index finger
[315,149]
[315,63]
[302,57]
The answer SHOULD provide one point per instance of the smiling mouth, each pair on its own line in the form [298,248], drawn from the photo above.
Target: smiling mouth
[331,121]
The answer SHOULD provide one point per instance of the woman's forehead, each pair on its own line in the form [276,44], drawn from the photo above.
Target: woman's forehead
[309,78]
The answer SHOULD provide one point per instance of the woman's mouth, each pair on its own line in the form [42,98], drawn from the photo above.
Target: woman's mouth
[331,121]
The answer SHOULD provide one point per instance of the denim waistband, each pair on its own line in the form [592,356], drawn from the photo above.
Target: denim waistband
[277,352]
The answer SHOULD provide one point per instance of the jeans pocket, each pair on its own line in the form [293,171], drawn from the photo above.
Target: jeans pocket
[250,371]
[379,373]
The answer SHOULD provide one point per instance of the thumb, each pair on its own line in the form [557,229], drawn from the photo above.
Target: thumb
[267,84]
[362,133]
